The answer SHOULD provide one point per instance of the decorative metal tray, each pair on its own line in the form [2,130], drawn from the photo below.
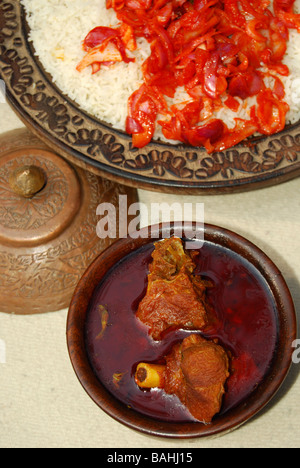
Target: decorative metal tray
[97,147]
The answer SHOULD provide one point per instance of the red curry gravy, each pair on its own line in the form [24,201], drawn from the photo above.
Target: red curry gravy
[246,327]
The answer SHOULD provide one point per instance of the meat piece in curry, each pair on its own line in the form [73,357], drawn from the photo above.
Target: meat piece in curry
[195,371]
[175,297]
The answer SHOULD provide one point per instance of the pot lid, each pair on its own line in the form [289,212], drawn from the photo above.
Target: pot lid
[48,220]
[40,195]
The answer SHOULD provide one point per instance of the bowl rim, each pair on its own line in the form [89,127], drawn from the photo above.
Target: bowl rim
[235,417]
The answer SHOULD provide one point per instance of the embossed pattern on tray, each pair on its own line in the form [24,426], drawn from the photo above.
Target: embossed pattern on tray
[96,146]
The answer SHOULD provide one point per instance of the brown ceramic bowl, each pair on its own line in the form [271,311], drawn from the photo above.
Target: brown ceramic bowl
[222,423]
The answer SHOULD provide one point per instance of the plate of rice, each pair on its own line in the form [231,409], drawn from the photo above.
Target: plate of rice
[197,96]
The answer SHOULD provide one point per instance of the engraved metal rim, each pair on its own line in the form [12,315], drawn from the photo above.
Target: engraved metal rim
[159,166]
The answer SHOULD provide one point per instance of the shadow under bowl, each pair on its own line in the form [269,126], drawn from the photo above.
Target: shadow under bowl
[222,423]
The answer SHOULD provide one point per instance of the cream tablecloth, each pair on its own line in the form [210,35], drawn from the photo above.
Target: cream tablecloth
[42,403]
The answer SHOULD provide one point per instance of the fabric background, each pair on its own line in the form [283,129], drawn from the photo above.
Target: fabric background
[42,403]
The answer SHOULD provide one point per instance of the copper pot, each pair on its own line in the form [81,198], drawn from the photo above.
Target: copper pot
[47,224]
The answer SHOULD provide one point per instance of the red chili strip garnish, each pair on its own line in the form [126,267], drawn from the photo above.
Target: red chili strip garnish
[143,108]
[220,51]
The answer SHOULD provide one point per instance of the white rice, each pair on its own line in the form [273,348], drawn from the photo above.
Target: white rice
[58,28]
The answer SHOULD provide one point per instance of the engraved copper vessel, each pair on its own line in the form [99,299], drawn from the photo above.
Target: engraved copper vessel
[47,224]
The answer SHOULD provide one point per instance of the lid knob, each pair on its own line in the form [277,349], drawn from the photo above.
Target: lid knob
[27,181]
